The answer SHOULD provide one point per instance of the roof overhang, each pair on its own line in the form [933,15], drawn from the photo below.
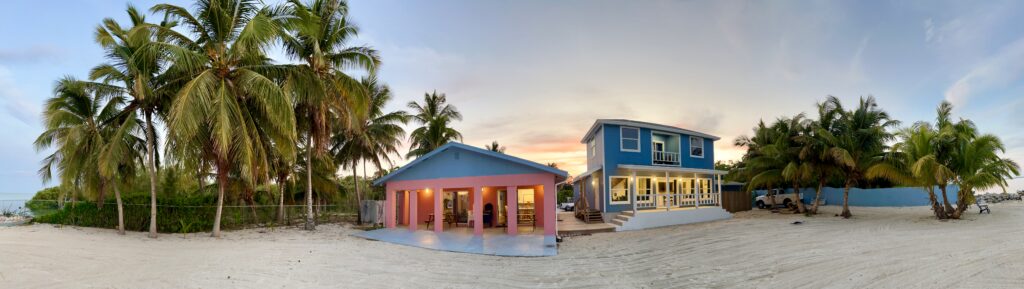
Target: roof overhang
[672,169]
[625,122]
[560,175]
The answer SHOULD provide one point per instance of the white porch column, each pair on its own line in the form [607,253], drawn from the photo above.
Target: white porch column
[718,196]
[632,191]
[696,191]
[668,190]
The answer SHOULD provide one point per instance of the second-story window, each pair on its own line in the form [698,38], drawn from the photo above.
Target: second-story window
[630,139]
[696,147]
[593,147]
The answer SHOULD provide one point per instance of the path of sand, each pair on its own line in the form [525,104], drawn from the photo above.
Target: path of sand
[879,248]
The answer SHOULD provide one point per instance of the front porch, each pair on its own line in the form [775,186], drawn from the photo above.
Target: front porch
[641,189]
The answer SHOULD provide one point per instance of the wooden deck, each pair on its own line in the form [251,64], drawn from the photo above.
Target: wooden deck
[569,225]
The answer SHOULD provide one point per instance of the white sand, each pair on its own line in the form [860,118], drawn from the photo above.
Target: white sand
[879,248]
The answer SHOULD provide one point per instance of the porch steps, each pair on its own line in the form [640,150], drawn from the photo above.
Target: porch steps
[569,226]
[593,217]
[622,218]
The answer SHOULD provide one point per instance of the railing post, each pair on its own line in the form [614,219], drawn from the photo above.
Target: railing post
[696,191]
[668,194]
[632,190]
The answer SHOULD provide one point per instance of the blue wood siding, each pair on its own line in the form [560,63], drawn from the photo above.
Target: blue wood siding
[614,156]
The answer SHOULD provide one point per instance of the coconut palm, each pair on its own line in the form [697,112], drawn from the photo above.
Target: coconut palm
[435,115]
[375,138]
[140,73]
[495,147]
[75,126]
[858,142]
[973,159]
[121,156]
[814,153]
[758,168]
[229,96]
[319,34]
[913,161]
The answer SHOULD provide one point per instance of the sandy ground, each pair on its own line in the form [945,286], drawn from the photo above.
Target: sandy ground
[878,248]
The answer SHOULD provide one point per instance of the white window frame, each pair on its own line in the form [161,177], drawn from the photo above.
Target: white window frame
[700,141]
[611,190]
[622,139]
[593,147]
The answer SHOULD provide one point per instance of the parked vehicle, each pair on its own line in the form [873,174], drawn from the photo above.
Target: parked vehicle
[781,199]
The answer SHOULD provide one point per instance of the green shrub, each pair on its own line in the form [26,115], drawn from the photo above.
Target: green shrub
[179,214]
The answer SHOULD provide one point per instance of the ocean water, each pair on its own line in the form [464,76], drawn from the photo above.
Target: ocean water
[13,201]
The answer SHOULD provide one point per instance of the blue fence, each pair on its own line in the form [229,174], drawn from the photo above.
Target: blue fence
[887,197]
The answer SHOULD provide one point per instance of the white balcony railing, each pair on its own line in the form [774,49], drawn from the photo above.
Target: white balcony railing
[666,158]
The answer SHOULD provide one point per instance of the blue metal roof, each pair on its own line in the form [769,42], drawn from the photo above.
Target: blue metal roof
[470,166]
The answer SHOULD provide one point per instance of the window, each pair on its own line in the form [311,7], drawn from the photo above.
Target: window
[593,147]
[629,139]
[620,190]
[696,147]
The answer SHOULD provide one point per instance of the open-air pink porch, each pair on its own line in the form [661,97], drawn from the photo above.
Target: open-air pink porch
[512,203]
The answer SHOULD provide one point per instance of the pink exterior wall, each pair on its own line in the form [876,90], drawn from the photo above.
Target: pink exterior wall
[545,203]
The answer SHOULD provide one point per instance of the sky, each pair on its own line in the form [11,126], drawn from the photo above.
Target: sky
[534,75]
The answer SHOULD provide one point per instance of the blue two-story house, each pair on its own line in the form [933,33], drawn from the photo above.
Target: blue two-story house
[643,175]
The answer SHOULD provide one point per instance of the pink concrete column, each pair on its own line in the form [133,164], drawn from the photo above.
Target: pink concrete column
[389,208]
[438,208]
[550,222]
[478,211]
[413,198]
[512,201]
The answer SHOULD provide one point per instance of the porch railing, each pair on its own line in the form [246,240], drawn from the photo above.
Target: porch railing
[666,158]
[670,200]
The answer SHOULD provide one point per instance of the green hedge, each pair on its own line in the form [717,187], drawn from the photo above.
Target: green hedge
[174,214]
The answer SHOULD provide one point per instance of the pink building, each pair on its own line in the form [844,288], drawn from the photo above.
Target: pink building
[461,189]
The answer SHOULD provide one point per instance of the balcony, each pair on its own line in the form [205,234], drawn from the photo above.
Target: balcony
[665,158]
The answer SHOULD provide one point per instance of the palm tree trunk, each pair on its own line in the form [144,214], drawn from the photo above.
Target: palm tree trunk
[846,201]
[936,208]
[151,168]
[817,195]
[222,181]
[280,204]
[961,202]
[799,200]
[359,196]
[945,200]
[309,185]
[771,200]
[120,210]
[101,196]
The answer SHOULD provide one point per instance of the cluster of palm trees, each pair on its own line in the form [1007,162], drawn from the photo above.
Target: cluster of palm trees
[231,113]
[856,148]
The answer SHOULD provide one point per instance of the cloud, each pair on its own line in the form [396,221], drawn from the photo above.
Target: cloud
[1000,70]
[857,62]
[14,100]
[32,54]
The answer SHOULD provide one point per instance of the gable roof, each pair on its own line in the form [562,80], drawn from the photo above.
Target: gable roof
[598,123]
[560,174]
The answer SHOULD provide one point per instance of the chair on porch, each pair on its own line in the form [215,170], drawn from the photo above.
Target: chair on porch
[447,219]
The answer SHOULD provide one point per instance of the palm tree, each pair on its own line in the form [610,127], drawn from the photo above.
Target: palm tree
[973,159]
[74,121]
[324,94]
[120,156]
[815,149]
[435,115]
[229,97]
[913,161]
[858,143]
[495,147]
[375,138]
[758,167]
[140,74]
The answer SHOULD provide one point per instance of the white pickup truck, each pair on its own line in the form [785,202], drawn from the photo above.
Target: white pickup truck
[781,198]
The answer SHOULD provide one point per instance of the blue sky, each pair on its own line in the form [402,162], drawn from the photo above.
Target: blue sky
[534,75]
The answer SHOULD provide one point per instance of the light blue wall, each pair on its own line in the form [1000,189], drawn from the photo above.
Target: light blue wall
[886,197]
[455,162]
[613,156]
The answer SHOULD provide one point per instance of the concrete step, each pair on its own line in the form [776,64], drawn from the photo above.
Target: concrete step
[622,218]
[617,222]
[626,213]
